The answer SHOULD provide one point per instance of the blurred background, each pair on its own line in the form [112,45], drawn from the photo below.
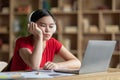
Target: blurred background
[77,22]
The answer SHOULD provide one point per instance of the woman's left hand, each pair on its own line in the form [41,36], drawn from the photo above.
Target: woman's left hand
[50,65]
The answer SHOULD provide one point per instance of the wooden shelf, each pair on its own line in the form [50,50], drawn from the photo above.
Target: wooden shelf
[20,14]
[102,33]
[100,11]
[117,53]
[5,29]
[4,52]
[61,12]
[6,14]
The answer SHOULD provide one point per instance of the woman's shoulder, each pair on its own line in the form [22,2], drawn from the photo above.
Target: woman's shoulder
[53,41]
[24,38]
[19,39]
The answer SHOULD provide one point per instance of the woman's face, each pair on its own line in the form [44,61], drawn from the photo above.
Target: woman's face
[47,25]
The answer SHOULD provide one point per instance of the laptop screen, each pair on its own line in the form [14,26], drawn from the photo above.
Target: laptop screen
[97,56]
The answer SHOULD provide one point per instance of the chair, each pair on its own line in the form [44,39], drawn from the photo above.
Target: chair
[7,68]
[3,65]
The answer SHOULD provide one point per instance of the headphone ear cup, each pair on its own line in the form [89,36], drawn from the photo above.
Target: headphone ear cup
[54,29]
[29,17]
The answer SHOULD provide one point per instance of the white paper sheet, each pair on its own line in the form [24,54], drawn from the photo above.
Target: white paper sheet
[32,74]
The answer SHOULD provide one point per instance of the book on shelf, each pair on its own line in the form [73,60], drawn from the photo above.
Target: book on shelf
[46,4]
[112,28]
[3,29]
[67,8]
[5,47]
[66,43]
[26,9]
[70,29]
[93,29]
[86,24]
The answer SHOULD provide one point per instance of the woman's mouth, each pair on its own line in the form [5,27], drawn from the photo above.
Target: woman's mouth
[47,35]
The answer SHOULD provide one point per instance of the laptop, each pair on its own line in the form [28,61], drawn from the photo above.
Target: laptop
[96,57]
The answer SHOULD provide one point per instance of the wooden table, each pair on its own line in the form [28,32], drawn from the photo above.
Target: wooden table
[112,74]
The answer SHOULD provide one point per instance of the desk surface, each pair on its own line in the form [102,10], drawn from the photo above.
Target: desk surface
[112,74]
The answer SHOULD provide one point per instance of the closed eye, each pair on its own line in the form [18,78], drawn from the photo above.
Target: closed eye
[43,25]
[51,26]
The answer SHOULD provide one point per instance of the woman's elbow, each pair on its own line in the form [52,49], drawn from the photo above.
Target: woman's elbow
[35,67]
[78,64]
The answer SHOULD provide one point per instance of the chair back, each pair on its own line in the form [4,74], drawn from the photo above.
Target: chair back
[3,65]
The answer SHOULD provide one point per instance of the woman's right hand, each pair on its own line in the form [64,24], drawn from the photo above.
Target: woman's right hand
[50,65]
[35,30]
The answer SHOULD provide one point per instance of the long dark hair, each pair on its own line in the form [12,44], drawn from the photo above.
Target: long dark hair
[37,14]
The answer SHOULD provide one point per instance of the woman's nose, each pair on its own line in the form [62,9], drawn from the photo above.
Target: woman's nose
[47,29]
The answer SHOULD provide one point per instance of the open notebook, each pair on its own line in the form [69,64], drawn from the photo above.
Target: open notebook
[96,58]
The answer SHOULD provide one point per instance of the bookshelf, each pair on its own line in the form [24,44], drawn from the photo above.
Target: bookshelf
[78,21]
[104,23]
[83,20]
[5,19]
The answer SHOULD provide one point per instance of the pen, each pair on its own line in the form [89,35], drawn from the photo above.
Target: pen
[37,73]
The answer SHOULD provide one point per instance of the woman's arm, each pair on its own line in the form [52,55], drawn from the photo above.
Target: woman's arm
[33,59]
[70,61]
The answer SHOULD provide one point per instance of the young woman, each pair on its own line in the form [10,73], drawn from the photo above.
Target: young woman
[37,50]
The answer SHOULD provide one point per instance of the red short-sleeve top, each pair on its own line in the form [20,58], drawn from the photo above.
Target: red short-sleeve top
[52,47]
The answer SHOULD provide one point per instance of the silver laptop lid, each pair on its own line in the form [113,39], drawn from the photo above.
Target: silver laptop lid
[97,56]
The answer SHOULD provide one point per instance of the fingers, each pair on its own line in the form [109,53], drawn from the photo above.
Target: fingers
[50,65]
[33,28]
